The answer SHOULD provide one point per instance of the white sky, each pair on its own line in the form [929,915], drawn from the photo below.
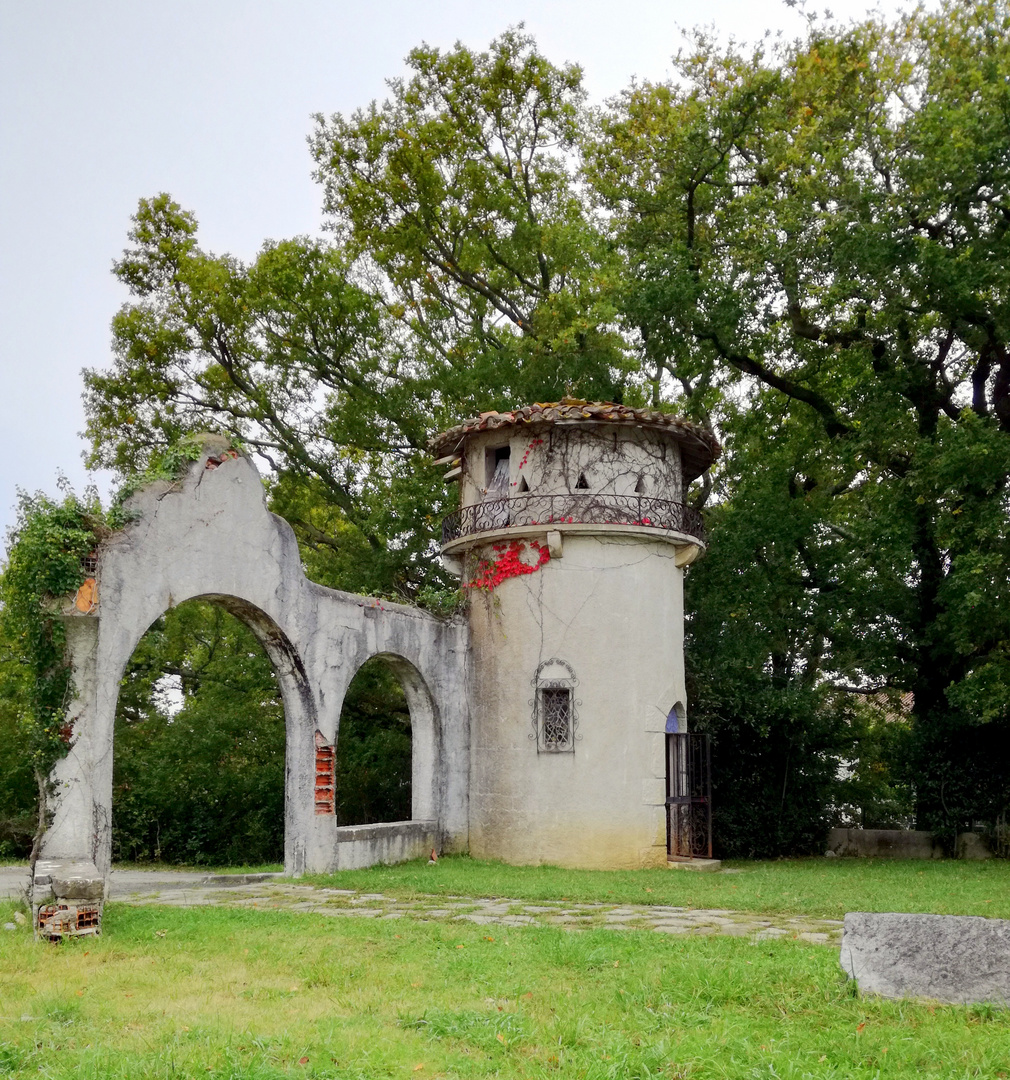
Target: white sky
[104,102]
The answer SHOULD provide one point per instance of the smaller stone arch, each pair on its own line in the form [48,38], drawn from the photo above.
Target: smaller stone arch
[363,845]
[425,750]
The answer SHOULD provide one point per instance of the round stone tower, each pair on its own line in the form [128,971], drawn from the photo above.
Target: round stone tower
[572,537]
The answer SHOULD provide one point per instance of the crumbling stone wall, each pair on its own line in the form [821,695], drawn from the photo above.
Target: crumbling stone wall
[210,536]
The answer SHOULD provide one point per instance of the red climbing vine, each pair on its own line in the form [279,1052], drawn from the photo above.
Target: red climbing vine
[505,563]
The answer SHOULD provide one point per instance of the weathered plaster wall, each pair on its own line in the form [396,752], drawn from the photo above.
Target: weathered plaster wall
[211,536]
[612,607]
[612,459]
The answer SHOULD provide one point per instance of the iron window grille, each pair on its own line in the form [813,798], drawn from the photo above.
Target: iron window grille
[555,708]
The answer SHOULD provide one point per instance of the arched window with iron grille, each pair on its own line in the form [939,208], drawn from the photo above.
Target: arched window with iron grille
[555,708]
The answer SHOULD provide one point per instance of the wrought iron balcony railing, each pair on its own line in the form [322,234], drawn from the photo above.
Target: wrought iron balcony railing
[572,509]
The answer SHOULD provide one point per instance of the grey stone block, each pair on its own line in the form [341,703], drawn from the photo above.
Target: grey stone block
[701,866]
[956,959]
[884,843]
[77,881]
[972,847]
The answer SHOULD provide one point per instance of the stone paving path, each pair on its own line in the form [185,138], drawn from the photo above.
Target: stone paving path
[272,892]
[346,903]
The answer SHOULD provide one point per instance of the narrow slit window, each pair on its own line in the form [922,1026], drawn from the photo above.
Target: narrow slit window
[496,467]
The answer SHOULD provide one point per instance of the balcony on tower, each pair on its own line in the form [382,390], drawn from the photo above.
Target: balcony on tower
[574,467]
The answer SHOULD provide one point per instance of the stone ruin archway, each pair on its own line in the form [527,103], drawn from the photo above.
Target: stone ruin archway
[299,706]
[210,536]
[364,845]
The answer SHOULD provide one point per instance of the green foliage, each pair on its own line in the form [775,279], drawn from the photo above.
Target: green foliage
[878,791]
[45,549]
[462,189]
[804,245]
[199,770]
[199,746]
[466,273]
[817,243]
[18,788]
[168,464]
[753,650]
[374,749]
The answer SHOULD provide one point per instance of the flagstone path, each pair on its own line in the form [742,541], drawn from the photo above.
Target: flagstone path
[270,892]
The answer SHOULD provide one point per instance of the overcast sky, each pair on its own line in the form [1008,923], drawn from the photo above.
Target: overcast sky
[107,101]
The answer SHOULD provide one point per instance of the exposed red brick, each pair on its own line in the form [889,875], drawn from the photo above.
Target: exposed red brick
[326,776]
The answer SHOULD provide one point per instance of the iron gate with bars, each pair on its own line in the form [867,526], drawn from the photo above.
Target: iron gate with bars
[688,796]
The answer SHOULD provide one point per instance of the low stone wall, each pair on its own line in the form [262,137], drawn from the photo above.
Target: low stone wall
[359,846]
[903,844]
[956,959]
[884,843]
[972,846]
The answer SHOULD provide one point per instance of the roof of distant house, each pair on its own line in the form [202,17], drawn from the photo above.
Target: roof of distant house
[698,446]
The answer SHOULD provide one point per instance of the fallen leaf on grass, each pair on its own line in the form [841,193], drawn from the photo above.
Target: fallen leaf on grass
[303,1061]
[418,1067]
[160,933]
[500,1037]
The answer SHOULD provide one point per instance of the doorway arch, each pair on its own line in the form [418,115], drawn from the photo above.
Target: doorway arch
[300,721]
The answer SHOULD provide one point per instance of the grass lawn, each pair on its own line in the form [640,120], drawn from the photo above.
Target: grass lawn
[256,995]
[226,993]
[825,887]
